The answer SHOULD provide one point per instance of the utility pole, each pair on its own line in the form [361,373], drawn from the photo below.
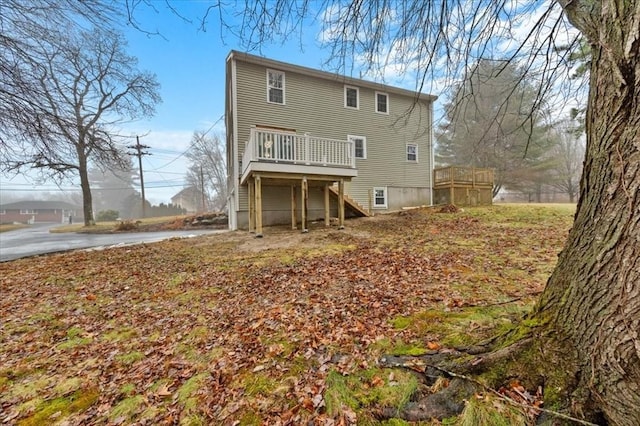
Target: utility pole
[204,209]
[139,153]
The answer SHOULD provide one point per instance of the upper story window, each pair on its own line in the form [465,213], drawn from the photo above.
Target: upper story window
[275,87]
[382,103]
[360,146]
[412,152]
[351,97]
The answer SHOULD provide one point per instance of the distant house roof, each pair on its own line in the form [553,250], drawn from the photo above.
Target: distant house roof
[39,205]
[187,192]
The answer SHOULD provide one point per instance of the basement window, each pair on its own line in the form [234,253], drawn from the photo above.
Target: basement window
[380,197]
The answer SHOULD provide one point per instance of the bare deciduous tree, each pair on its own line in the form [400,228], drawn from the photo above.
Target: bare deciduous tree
[584,329]
[208,169]
[568,155]
[86,86]
[25,28]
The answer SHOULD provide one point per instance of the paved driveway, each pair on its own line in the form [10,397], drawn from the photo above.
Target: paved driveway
[37,239]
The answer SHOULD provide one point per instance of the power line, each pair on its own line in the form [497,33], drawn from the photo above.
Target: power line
[213,125]
[187,150]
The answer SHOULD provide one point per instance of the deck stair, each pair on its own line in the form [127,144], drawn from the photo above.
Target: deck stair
[351,204]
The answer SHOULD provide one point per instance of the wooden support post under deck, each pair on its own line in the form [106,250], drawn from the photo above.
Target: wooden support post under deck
[294,207]
[258,208]
[252,206]
[303,201]
[327,210]
[452,188]
[341,204]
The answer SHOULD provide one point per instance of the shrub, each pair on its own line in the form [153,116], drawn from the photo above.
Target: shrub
[126,225]
[107,215]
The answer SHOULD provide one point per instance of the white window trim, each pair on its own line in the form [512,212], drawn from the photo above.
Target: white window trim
[386,196]
[28,211]
[364,146]
[284,85]
[375,99]
[357,89]
[407,153]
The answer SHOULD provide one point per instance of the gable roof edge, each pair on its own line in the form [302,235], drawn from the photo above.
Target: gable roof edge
[284,66]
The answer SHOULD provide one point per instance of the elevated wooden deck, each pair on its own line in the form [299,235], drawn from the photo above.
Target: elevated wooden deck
[281,152]
[281,157]
[463,186]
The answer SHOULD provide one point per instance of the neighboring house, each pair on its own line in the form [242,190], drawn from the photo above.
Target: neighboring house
[39,212]
[302,143]
[189,199]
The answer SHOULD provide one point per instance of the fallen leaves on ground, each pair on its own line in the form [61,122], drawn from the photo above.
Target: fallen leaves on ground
[227,329]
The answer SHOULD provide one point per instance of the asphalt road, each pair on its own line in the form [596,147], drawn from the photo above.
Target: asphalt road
[37,239]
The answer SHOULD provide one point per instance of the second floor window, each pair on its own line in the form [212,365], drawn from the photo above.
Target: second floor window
[275,87]
[359,145]
[382,103]
[351,96]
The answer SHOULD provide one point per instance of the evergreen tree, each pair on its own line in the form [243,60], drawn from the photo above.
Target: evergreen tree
[490,124]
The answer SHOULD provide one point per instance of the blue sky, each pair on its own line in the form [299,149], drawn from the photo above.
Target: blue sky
[190,65]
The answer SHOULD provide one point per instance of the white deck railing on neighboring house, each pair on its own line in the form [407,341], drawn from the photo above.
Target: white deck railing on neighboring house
[285,147]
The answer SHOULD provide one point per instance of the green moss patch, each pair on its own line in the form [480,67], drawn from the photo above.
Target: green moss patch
[187,396]
[259,384]
[62,407]
[368,388]
[126,409]
[28,387]
[120,335]
[130,357]
[487,410]
[74,339]
[466,326]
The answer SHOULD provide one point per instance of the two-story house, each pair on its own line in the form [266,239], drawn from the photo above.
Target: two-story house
[302,142]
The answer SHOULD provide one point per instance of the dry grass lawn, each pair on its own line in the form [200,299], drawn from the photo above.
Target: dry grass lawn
[232,330]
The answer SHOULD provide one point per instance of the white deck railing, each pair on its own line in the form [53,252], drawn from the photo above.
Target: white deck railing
[291,148]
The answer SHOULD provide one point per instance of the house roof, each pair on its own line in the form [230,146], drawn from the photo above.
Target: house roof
[283,66]
[39,205]
[189,191]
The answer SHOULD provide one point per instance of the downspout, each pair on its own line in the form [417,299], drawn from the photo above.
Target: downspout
[236,161]
[232,136]
[431,148]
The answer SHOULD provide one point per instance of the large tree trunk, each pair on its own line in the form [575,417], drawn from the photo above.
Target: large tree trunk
[592,300]
[87,200]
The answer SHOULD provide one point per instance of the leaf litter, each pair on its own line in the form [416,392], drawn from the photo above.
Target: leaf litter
[228,329]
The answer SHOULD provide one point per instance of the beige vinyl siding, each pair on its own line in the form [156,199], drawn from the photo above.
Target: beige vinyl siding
[316,106]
